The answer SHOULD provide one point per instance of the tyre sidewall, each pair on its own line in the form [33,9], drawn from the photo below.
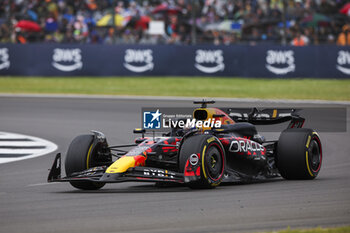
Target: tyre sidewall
[293,156]
[78,159]
[201,144]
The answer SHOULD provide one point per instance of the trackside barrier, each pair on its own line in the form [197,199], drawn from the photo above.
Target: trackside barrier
[173,60]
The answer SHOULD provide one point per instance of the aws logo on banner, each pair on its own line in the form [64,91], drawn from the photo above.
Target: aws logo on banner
[67,59]
[280,62]
[138,60]
[4,58]
[205,59]
[342,61]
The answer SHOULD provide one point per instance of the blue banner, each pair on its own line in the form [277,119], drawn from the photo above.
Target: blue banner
[172,60]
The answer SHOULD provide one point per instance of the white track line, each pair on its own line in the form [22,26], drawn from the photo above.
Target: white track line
[4,135]
[123,97]
[32,153]
[21,151]
[42,184]
[20,143]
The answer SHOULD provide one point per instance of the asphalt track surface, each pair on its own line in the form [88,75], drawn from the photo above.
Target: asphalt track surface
[29,204]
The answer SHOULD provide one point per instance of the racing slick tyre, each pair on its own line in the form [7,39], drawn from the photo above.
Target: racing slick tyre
[81,155]
[212,163]
[299,154]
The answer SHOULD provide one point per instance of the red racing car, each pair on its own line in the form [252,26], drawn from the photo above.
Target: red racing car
[200,157]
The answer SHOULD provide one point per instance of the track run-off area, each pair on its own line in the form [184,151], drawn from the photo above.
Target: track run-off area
[29,204]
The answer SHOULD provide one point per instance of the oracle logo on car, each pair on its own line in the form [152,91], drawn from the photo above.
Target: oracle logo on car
[67,60]
[280,62]
[206,58]
[245,145]
[343,60]
[134,57]
[4,58]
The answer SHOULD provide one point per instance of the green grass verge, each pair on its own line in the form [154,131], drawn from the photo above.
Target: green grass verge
[183,86]
[345,229]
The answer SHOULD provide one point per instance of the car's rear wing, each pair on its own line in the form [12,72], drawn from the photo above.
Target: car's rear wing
[266,116]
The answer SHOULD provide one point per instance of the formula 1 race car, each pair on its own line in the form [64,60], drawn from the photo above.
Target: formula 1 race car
[199,157]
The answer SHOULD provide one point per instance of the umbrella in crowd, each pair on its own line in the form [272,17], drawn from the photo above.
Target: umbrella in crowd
[108,21]
[29,26]
[345,9]
[166,9]
[315,19]
[138,22]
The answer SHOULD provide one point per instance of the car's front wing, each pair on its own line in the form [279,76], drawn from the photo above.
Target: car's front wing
[98,174]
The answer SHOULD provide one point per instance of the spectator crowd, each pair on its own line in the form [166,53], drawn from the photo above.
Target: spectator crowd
[307,22]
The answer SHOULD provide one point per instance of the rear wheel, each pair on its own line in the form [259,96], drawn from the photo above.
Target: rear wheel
[212,165]
[82,155]
[299,154]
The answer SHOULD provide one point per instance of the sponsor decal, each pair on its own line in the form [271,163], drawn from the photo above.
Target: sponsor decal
[308,141]
[67,60]
[194,159]
[205,59]
[260,116]
[158,172]
[343,60]
[280,61]
[211,139]
[245,146]
[4,58]
[151,120]
[138,60]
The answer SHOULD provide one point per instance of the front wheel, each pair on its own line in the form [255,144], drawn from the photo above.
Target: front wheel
[82,155]
[299,154]
[212,162]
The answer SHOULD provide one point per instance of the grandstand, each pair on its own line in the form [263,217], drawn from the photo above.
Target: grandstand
[218,22]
